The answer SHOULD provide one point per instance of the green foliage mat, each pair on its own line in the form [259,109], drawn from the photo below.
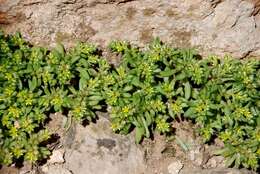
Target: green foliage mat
[35,81]
[149,90]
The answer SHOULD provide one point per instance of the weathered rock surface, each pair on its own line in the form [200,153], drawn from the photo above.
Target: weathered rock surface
[55,169]
[57,157]
[175,167]
[96,149]
[215,171]
[212,26]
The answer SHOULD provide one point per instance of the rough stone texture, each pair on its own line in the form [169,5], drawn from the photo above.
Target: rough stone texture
[8,170]
[55,170]
[57,157]
[215,171]
[175,167]
[196,155]
[96,149]
[212,26]
[215,161]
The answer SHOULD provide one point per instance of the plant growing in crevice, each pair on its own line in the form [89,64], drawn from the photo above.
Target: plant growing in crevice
[35,81]
[160,84]
[149,90]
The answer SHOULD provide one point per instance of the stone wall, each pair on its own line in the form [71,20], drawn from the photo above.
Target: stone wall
[211,26]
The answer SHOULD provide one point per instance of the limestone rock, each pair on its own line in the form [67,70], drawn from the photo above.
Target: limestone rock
[196,155]
[175,167]
[215,171]
[53,169]
[57,157]
[216,26]
[215,161]
[26,168]
[96,149]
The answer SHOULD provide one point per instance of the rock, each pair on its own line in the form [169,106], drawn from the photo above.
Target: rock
[215,161]
[8,170]
[26,168]
[55,163]
[218,27]
[215,171]
[57,157]
[53,169]
[56,124]
[96,149]
[175,167]
[196,155]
